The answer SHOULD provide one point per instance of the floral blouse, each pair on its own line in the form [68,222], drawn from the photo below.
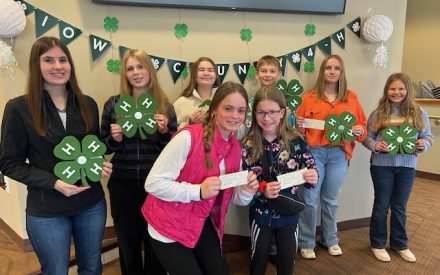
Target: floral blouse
[280,162]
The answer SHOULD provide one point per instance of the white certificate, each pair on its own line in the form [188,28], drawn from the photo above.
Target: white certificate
[234,179]
[314,123]
[291,179]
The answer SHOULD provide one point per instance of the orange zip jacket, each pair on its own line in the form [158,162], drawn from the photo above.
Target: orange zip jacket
[313,108]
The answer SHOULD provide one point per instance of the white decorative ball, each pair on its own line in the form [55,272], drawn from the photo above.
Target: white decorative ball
[12,18]
[7,57]
[377,28]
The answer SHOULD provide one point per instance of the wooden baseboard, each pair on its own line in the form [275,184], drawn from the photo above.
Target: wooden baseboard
[109,241]
[233,243]
[427,175]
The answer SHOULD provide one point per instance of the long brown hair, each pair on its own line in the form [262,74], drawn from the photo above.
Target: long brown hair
[408,108]
[222,92]
[193,80]
[35,86]
[284,132]
[153,86]
[342,83]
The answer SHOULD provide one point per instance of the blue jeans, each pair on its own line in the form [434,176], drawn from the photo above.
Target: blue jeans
[332,167]
[392,187]
[51,239]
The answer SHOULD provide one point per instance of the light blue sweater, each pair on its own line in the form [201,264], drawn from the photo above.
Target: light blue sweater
[398,160]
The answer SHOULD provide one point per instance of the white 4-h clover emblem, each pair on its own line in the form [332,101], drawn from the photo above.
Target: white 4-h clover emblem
[79,160]
[339,128]
[401,139]
[291,92]
[356,27]
[139,116]
[296,58]
[155,63]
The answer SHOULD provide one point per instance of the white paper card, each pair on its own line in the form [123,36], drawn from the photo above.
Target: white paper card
[291,179]
[314,123]
[234,179]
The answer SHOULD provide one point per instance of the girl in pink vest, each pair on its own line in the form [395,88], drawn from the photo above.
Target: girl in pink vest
[186,208]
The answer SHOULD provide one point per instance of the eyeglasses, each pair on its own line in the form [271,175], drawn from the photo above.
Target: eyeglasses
[271,114]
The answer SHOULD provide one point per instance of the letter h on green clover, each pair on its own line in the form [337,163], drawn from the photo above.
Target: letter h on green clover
[339,127]
[137,117]
[291,92]
[80,161]
[400,139]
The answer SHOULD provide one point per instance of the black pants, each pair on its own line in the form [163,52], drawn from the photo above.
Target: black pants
[204,259]
[126,199]
[286,239]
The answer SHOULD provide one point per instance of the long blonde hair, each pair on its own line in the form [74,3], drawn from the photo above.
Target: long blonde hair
[284,132]
[408,108]
[222,92]
[342,91]
[153,86]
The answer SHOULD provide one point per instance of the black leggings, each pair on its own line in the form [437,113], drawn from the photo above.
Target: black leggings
[286,238]
[204,259]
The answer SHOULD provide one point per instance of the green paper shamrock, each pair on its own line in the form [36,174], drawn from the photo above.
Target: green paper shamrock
[246,35]
[133,118]
[339,128]
[291,92]
[401,139]
[113,65]
[111,24]
[79,160]
[180,30]
[184,73]
[206,102]
[309,67]
[309,30]
[251,72]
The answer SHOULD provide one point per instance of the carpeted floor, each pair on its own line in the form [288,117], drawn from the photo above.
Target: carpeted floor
[423,226]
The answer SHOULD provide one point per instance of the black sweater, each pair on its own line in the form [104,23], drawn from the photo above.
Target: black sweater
[134,157]
[20,142]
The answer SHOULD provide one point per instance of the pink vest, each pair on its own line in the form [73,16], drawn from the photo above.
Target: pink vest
[183,222]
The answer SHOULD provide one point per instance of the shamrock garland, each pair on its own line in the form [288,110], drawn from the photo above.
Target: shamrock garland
[133,118]
[80,161]
[111,24]
[401,139]
[113,65]
[310,30]
[251,72]
[246,34]
[291,92]
[184,73]
[309,67]
[180,30]
[339,128]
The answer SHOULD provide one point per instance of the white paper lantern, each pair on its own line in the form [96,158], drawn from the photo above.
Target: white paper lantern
[377,28]
[7,57]
[12,18]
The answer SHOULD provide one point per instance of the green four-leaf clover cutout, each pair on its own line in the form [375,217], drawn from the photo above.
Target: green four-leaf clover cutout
[251,72]
[246,34]
[205,103]
[309,67]
[111,24]
[180,30]
[309,29]
[339,128]
[113,65]
[80,161]
[401,139]
[291,92]
[137,116]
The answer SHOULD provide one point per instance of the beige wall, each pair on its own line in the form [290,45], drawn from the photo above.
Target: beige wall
[216,34]
[421,61]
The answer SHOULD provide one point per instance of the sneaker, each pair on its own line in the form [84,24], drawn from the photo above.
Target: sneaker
[307,253]
[381,254]
[407,255]
[335,250]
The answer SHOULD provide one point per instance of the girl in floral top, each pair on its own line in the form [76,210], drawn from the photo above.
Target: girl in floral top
[286,151]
